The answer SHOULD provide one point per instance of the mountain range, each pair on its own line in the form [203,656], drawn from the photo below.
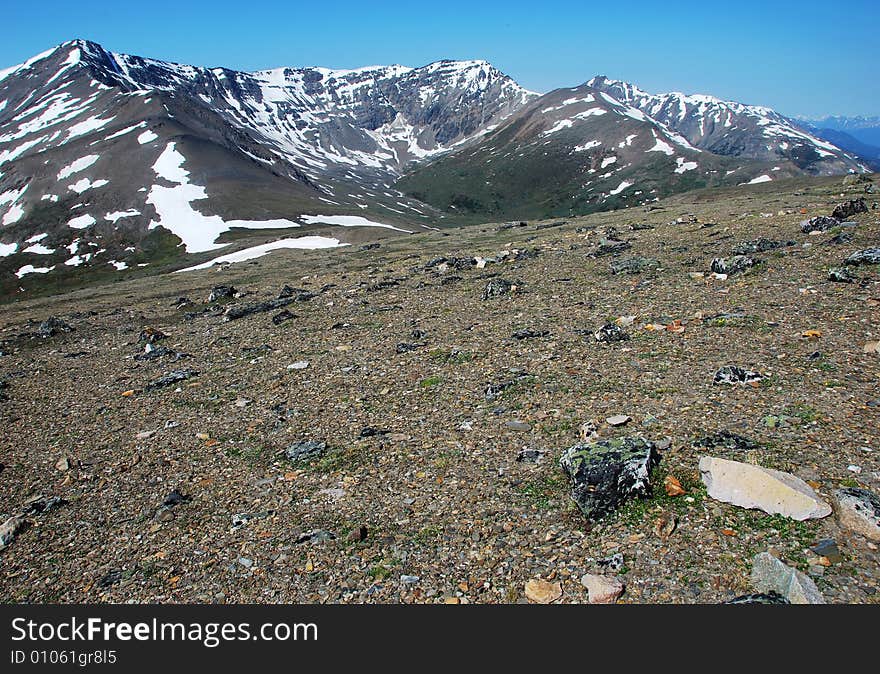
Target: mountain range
[112,164]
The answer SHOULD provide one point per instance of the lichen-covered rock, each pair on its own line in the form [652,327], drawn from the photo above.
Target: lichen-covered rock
[867,256]
[606,473]
[220,292]
[734,265]
[727,440]
[633,265]
[750,486]
[771,575]
[732,374]
[821,223]
[859,510]
[849,209]
[305,450]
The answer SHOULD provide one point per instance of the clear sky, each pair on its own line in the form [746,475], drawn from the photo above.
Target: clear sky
[801,58]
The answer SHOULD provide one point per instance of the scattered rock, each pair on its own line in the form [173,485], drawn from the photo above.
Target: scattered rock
[221,292]
[42,505]
[11,528]
[529,334]
[236,311]
[175,498]
[404,347]
[382,285]
[827,547]
[53,326]
[602,589]
[358,534]
[316,536]
[613,563]
[759,598]
[606,473]
[497,287]
[771,575]
[519,426]
[241,519]
[409,580]
[732,374]
[867,256]
[282,316]
[673,486]
[727,440]
[305,450]
[733,265]
[849,209]
[750,486]
[858,510]
[821,223]
[634,265]
[611,247]
[111,578]
[298,365]
[610,332]
[618,420]
[539,591]
[841,275]
[527,455]
[171,378]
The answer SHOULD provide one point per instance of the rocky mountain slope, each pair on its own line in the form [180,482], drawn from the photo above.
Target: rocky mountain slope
[115,166]
[413,422]
[112,161]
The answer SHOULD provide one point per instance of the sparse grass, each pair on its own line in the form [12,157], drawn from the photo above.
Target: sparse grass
[542,491]
[430,382]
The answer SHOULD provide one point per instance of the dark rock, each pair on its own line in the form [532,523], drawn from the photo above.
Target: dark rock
[610,332]
[734,265]
[240,519]
[641,226]
[759,598]
[305,450]
[369,432]
[221,292]
[827,547]
[867,256]
[175,498]
[495,389]
[404,347]
[527,455]
[418,334]
[154,352]
[171,378]
[52,326]
[287,291]
[43,505]
[841,275]
[236,311]
[849,209]
[316,536]
[110,579]
[839,239]
[725,439]
[448,280]
[496,288]
[634,265]
[181,302]
[280,317]
[612,563]
[76,354]
[606,473]
[731,374]
[151,336]
[821,223]
[610,247]
[760,245]
[530,334]
[370,246]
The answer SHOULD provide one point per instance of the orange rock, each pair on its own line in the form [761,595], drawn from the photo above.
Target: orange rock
[673,486]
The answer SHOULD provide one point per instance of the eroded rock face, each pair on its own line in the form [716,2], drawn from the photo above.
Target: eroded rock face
[769,575]
[772,491]
[859,510]
[606,473]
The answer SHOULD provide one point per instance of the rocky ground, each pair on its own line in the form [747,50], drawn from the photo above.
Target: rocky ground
[361,439]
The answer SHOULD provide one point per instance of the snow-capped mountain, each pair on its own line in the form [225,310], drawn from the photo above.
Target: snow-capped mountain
[734,129]
[104,155]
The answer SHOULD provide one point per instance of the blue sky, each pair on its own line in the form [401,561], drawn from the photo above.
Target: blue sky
[806,58]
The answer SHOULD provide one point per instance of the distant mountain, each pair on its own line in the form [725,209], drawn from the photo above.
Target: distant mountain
[114,165]
[863,129]
[606,144]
